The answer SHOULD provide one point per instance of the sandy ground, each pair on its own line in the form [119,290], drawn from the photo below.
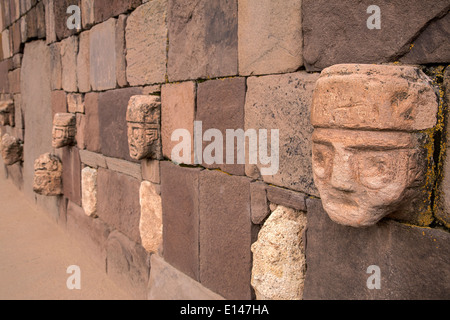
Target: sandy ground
[35,254]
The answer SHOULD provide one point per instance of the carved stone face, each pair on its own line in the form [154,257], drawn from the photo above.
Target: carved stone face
[143,118]
[64,130]
[12,150]
[7,113]
[48,175]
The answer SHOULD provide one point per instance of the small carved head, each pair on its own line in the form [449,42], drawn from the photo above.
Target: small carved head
[48,175]
[12,150]
[367,146]
[143,119]
[64,130]
[7,113]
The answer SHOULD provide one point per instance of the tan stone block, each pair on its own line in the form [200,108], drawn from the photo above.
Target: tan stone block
[150,225]
[89,191]
[75,103]
[83,65]
[12,150]
[69,51]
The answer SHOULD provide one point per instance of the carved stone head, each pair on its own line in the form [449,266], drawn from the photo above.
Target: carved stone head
[12,150]
[64,130]
[368,155]
[144,127]
[7,113]
[48,175]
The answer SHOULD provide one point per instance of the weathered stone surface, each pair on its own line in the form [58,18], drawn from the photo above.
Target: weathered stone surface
[220,105]
[16,38]
[83,63]
[69,52]
[150,225]
[92,159]
[271,103]
[128,264]
[126,167]
[105,9]
[61,16]
[118,202]
[180,197]
[89,191]
[92,127]
[350,40]
[72,174]
[14,81]
[113,125]
[203,39]
[56,67]
[408,257]
[12,150]
[279,262]
[178,111]
[144,127]
[225,234]
[80,131]
[75,103]
[103,56]
[267,45]
[88,13]
[259,204]
[59,102]
[287,198]
[6,46]
[64,130]
[151,170]
[40,20]
[48,175]
[146,38]
[167,283]
[121,62]
[50,21]
[7,113]
[4,81]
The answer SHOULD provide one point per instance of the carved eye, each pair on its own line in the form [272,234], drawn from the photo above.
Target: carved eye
[322,160]
[376,169]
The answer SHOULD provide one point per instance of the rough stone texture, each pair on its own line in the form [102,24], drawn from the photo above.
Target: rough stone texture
[151,170]
[128,264]
[414,262]
[178,111]
[75,103]
[267,45]
[105,9]
[64,130]
[179,194]
[56,67]
[7,113]
[287,198]
[40,20]
[12,150]
[220,105]
[92,127]
[16,38]
[48,175]
[259,204]
[129,168]
[14,81]
[273,101]
[167,283]
[49,21]
[83,63]
[71,174]
[60,16]
[80,131]
[347,38]
[89,191]
[103,56]
[144,127]
[225,234]
[112,106]
[92,159]
[146,38]
[279,262]
[150,225]
[69,52]
[88,13]
[203,39]
[118,202]
[121,62]
[59,102]
[4,81]
[6,46]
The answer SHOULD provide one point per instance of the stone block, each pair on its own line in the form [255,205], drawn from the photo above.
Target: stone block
[50,22]
[338,258]
[265,44]
[89,191]
[283,102]
[151,170]
[64,130]
[350,40]
[71,174]
[14,81]
[48,175]
[88,13]
[286,198]
[105,9]
[126,167]
[113,125]
[178,111]
[75,103]
[83,63]
[56,67]
[103,56]
[225,234]
[128,264]
[11,149]
[92,159]
[31,21]
[69,52]
[180,205]
[92,122]
[150,225]
[4,81]
[167,283]
[61,16]
[17,60]
[259,204]
[59,102]
[80,131]
[203,39]
[146,38]
[16,38]
[40,20]
[118,202]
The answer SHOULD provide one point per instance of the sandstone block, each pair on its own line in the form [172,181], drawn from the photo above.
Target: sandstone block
[83,65]
[75,103]
[50,22]
[6,46]
[92,126]
[48,175]
[150,225]
[126,167]
[88,13]
[92,159]
[12,150]
[60,17]
[71,174]
[105,9]
[56,66]
[59,102]
[14,81]
[259,204]
[151,170]
[286,198]
[69,51]
[89,191]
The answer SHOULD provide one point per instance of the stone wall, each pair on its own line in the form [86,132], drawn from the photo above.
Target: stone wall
[197,230]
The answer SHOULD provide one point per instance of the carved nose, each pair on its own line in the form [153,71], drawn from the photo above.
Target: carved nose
[342,175]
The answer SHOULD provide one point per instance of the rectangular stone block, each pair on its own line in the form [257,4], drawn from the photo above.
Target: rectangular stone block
[105,9]
[121,63]
[283,102]
[72,174]
[151,170]
[56,67]
[146,39]
[5,65]
[81,131]
[113,126]
[118,202]
[259,205]
[287,198]
[225,234]
[265,45]
[69,52]
[203,39]
[61,16]
[83,63]
[220,105]
[178,104]
[50,23]
[92,122]
[75,103]
[31,21]
[129,168]
[88,13]
[40,22]
[59,102]
[6,46]
[14,81]
[413,262]
[167,283]
[180,197]
[92,159]
[16,38]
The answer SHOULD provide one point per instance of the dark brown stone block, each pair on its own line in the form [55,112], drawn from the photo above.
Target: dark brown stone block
[5,65]
[414,262]
[113,125]
[72,174]
[287,198]
[225,234]
[31,24]
[220,105]
[40,20]
[92,122]
[16,37]
[179,193]
[105,9]
[118,202]
[61,16]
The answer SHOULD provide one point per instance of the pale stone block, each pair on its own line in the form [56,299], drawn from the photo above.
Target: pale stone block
[89,191]
[150,224]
